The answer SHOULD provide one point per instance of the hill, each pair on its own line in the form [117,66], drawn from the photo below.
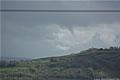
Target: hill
[86,65]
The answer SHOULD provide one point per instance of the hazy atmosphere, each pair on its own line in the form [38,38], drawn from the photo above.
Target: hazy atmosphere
[42,34]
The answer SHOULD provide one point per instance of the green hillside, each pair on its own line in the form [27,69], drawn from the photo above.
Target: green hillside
[86,65]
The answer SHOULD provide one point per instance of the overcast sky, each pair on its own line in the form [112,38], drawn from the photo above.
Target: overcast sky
[43,34]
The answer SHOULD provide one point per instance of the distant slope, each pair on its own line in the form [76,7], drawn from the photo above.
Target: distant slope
[13,58]
[86,65]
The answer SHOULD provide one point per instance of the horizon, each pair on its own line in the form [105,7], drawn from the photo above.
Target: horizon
[113,47]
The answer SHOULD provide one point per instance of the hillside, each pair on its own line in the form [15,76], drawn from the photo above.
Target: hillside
[86,65]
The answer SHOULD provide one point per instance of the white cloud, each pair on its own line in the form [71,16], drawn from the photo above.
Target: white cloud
[62,47]
[63,38]
[83,35]
[108,33]
[78,36]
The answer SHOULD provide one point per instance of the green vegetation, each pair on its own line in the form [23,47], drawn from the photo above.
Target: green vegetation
[85,65]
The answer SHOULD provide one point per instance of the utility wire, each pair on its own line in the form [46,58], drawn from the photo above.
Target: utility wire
[30,10]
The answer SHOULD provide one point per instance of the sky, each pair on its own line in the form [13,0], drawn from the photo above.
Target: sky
[45,34]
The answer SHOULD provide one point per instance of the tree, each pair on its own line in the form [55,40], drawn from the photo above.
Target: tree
[3,64]
[11,64]
[52,59]
[33,70]
[111,47]
[101,49]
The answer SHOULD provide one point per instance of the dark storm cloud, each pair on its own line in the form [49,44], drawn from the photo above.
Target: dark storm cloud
[61,5]
[67,19]
[50,34]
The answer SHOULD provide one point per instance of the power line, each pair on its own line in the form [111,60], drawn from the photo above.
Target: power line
[30,10]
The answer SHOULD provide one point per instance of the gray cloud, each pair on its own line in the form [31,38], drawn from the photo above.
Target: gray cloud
[81,35]
[80,4]
[52,34]
[53,37]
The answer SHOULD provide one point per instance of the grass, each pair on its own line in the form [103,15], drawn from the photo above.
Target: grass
[14,69]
